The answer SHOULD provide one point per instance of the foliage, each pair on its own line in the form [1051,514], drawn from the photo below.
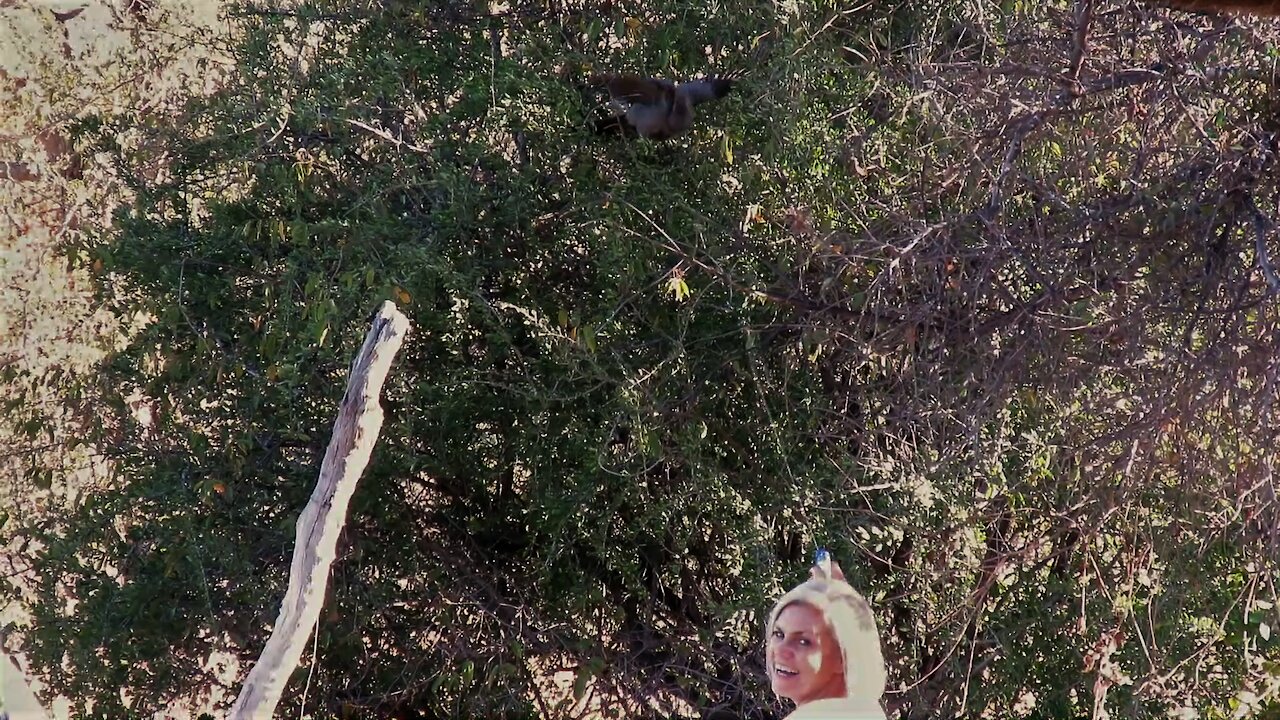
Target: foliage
[58,64]
[1001,336]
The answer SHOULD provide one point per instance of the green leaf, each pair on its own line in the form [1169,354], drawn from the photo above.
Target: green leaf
[580,684]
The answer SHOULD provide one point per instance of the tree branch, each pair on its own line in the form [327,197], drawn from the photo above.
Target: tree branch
[354,433]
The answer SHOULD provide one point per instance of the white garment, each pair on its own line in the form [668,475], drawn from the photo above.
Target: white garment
[839,709]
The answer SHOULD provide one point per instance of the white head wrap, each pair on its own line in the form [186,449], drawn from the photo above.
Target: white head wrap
[849,616]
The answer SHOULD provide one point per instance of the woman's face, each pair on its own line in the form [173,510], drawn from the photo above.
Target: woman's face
[803,657]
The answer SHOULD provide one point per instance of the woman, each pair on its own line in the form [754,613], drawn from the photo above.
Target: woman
[823,651]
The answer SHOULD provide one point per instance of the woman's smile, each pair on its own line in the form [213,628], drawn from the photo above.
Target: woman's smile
[803,656]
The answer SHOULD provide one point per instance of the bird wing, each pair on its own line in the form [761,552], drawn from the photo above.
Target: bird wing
[635,89]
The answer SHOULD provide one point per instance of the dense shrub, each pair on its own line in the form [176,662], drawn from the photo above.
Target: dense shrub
[983,307]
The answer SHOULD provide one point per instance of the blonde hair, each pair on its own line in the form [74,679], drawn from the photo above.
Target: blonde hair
[849,616]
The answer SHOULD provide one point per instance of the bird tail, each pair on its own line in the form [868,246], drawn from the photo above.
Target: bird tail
[706,89]
[633,88]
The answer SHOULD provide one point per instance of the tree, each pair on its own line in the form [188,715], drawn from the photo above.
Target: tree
[984,301]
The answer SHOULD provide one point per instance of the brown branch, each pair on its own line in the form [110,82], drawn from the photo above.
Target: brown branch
[17,172]
[1262,227]
[1080,44]
[1248,7]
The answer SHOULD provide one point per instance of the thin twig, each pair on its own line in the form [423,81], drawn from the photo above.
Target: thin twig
[1080,44]
[389,137]
[1261,228]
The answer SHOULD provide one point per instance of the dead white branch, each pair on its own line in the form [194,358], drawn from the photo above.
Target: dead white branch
[354,434]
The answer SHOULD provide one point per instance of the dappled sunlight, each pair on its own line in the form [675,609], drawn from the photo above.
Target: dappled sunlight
[982,296]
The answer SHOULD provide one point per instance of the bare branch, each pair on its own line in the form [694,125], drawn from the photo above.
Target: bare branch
[354,433]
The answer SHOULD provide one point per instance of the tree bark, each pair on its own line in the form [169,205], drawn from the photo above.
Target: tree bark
[354,433]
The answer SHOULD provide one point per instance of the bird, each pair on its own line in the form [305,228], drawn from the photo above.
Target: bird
[1244,7]
[654,108]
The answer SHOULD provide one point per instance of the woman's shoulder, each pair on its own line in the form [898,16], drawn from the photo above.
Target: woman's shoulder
[838,709]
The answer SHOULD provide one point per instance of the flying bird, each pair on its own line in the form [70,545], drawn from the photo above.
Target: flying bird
[654,108]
